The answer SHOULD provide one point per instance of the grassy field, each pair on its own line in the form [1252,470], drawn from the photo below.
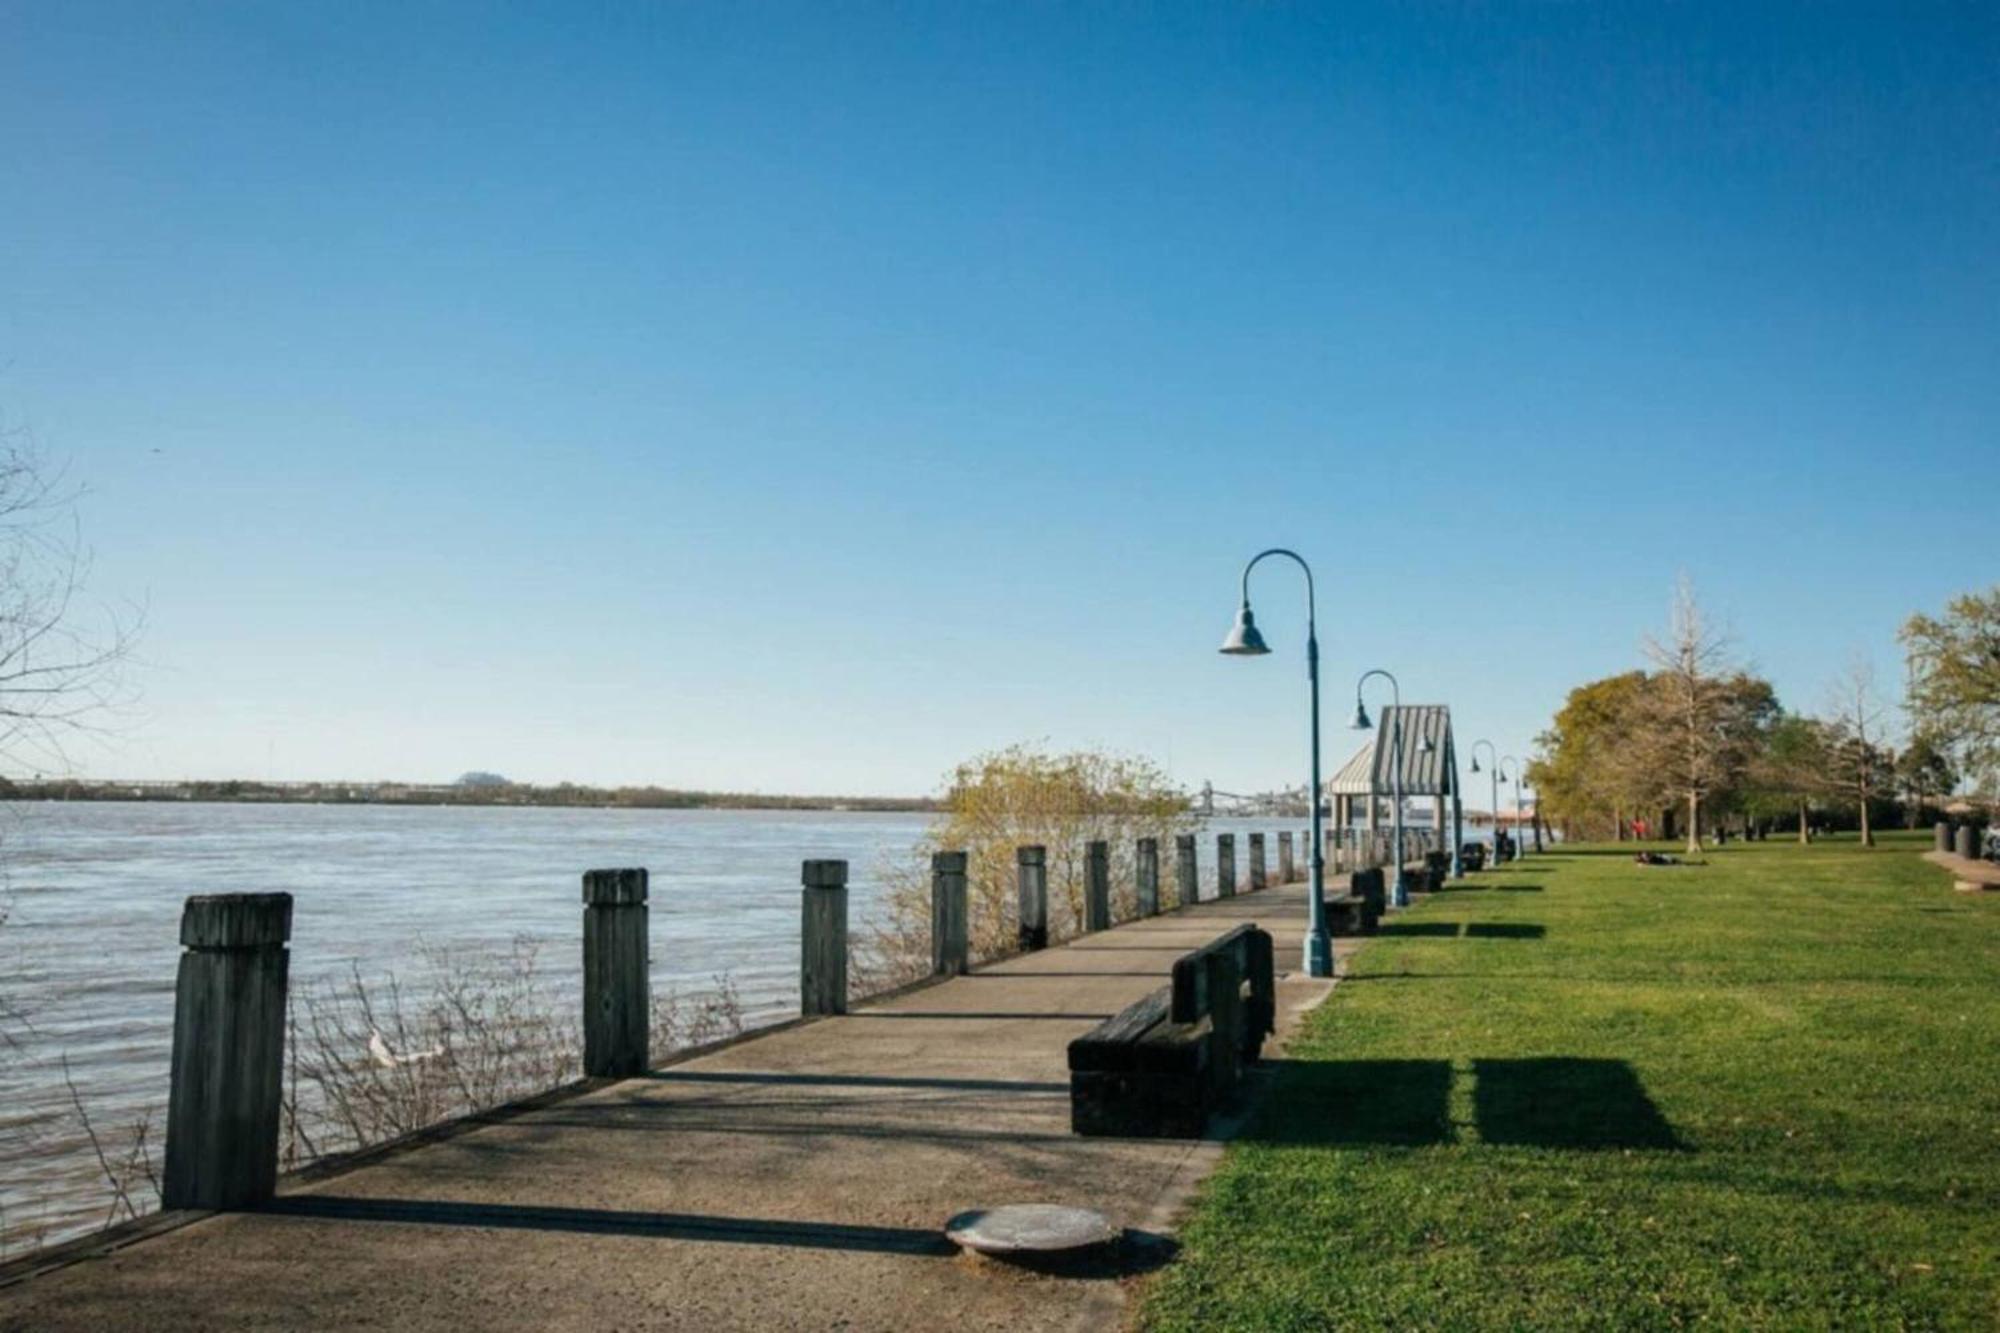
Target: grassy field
[1579,1092]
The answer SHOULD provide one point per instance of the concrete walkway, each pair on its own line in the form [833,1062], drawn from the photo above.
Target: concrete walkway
[795,1181]
[1968,875]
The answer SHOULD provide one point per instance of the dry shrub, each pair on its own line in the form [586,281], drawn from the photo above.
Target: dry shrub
[1007,799]
[683,1021]
[370,1061]
[366,1063]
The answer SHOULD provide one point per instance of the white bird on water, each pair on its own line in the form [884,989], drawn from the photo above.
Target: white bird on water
[388,1059]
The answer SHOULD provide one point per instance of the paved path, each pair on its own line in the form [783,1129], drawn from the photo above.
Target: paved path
[1969,875]
[794,1181]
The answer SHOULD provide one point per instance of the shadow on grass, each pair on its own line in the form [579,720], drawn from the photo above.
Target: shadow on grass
[1517,888]
[1333,1103]
[1505,930]
[1436,929]
[1567,1102]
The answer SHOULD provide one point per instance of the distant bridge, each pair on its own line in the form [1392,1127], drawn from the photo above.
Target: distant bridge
[1291,802]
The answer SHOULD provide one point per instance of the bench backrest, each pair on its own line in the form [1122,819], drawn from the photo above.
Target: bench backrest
[1243,954]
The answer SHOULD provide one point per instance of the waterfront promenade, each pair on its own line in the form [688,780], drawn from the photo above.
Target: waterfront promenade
[796,1180]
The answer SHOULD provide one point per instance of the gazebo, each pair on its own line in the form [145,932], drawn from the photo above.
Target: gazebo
[1428,770]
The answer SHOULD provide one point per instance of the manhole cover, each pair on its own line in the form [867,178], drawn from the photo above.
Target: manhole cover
[1028,1229]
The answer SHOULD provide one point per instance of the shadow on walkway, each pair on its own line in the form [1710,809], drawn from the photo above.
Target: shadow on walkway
[852,1081]
[602,1221]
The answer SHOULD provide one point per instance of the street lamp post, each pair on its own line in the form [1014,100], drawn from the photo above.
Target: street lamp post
[1401,895]
[1244,640]
[1500,769]
[1493,786]
[1535,820]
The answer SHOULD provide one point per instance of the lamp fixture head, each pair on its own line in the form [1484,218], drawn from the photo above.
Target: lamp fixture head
[1361,722]
[1244,640]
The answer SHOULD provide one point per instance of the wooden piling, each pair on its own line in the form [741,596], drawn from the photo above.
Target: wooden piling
[1031,879]
[950,948]
[617,991]
[1225,865]
[1187,869]
[1096,886]
[228,1053]
[1257,880]
[823,939]
[1287,867]
[1146,876]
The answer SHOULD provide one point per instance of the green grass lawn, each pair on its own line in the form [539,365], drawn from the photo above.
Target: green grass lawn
[1578,1092]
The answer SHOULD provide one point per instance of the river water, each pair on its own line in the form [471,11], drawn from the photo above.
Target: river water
[93,894]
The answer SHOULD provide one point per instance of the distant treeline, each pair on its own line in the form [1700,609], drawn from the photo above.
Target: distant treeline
[407,793]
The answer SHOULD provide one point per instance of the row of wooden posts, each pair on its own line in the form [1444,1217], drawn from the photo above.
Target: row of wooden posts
[233,979]
[230,994]
[823,923]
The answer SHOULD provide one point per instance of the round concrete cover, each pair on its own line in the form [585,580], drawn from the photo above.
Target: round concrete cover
[1030,1228]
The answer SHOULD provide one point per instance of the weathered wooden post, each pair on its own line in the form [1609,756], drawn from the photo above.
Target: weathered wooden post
[1966,848]
[1225,865]
[1286,871]
[1031,879]
[1146,876]
[1942,832]
[1096,886]
[823,939]
[617,993]
[950,948]
[229,1051]
[1256,862]
[1187,870]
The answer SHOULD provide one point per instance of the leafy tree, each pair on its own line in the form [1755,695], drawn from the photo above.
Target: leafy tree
[1955,680]
[1790,770]
[1923,774]
[1584,773]
[1022,796]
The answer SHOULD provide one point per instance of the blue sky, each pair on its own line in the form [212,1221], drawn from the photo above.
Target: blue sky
[807,397]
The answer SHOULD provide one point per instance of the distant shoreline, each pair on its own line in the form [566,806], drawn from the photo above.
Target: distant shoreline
[246,792]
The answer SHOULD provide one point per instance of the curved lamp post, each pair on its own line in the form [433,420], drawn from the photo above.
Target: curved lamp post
[1500,770]
[1245,641]
[1493,789]
[1401,896]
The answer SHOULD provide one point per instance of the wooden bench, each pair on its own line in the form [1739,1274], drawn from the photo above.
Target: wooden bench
[1437,870]
[1359,911]
[1472,855]
[1159,1066]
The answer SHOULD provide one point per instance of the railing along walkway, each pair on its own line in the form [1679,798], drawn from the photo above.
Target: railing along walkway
[797,1179]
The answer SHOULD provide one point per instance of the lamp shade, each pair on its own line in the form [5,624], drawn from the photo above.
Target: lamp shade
[1244,640]
[1361,722]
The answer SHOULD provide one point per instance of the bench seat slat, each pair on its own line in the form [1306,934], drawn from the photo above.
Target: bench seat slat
[1109,1044]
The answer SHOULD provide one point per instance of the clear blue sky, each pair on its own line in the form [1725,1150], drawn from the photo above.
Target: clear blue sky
[806,397]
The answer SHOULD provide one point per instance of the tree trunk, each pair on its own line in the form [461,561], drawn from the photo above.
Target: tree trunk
[1867,834]
[1804,837]
[1694,823]
[1618,825]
